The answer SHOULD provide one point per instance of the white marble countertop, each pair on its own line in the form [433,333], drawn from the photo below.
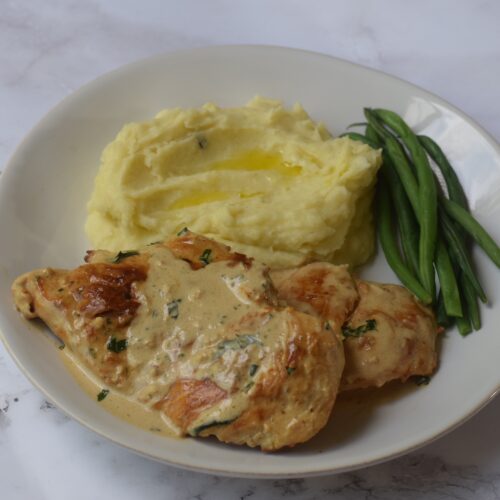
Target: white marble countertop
[49,49]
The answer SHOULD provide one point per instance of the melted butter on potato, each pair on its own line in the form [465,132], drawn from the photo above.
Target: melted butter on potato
[266,180]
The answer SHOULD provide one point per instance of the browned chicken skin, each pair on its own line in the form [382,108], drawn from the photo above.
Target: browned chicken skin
[320,289]
[401,344]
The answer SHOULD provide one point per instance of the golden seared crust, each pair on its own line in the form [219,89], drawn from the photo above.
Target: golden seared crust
[293,398]
[404,341]
[106,289]
[402,344]
[320,289]
[85,308]
[190,247]
[187,398]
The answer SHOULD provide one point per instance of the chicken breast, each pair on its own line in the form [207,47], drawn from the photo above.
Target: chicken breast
[194,331]
[321,289]
[388,334]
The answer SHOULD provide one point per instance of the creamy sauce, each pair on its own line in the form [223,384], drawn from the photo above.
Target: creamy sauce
[349,416]
[115,403]
[217,323]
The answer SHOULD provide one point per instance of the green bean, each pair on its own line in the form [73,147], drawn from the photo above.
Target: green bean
[448,281]
[361,138]
[408,226]
[381,132]
[357,124]
[372,135]
[459,253]
[390,248]
[463,325]
[483,239]
[402,166]
[470,299]
[455,191]
[394,122]
[427,195]
[397,155]
[442,318]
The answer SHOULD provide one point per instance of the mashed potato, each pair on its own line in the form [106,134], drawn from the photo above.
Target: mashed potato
[268,181]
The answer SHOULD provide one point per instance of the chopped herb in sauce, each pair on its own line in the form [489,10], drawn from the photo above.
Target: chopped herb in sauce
[62,346]
[202,141]
[115,345]
[249,386]
[183,231]
[327,325]
[123,255]
[92,352]
[290,370]
[173,308]
[239,342]
[196,431]
[421,379]
[206,256]
[102,395]
[253,370]
[358,331]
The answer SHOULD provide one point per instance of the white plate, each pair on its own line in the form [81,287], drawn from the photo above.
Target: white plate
[44,190]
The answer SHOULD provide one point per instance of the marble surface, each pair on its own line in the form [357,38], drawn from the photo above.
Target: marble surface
[49,49]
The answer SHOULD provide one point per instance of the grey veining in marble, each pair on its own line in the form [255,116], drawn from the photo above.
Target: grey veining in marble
[48,49]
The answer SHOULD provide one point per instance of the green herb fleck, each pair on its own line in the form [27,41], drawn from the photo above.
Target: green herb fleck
[290,369]
[202,141]
[183,231]
[249,386]
[369,325]
[239,342]
[421,379]
[253,370]
[62,346]
[206,256]
[123,255]
[115,345]
[327,325]
[173,308]
[196,431]
[92,352]
[60,289]
[102,395]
